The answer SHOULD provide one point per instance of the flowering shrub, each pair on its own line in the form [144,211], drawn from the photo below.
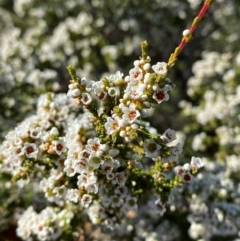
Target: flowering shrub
[103,159]
[38,40]
[91,154]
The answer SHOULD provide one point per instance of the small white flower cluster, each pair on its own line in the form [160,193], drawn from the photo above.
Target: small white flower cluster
[33,55]
[218,105]
[38,137]
[185,170]
[124,101]
[46,225]
[211,212]
[214,212]
[206,68]
[215,218]
[97,165]
[96,159]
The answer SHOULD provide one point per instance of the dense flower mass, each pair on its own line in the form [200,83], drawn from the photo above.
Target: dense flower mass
[87,164]
[39,39]
[215,212]
[93,156]
[47,225]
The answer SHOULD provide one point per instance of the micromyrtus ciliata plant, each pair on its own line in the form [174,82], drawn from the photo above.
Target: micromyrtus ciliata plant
[92,154]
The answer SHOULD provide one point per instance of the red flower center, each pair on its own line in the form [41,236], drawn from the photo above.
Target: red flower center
[160,95]
[29,149]
[187,177]
[136,74]
[59,147]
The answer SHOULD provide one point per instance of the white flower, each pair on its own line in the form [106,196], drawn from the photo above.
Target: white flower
[16,162]
[59,147]
[169,135]
[173,157]
[92,188]
[94,162]
[114,91]
[35,132]
[161,95]
[160,207]
[130,114]
[120,178]
[177,149]
[107,167]
[197,162]
[184,172]
[71,86]
[134,92]
[187,177]
[160,68]
[131,203]
[151,148]
[60,192]
[80,166]
[85,154]
[7,146]
[86,98]
[136,74]
[26,223]
[121,190]
[18,151]
[30,150]
[88,83]
[99,91]
[73,195]
[179,170]
[187,167]
[116,201]
[167,87]
[110,175]
[94,146]
[116,77]
[86,200]
[84,180]
[106,201]
[112,125]
[95,211]
[69,168]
